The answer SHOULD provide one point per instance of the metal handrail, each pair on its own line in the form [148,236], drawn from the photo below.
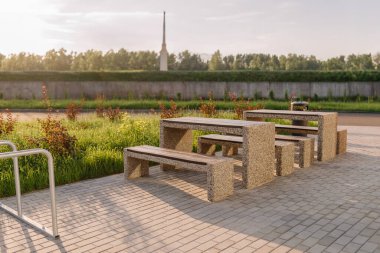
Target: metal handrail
[14,154]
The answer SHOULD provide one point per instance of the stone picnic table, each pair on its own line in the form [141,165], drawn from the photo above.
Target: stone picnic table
[258,143]
[327,126]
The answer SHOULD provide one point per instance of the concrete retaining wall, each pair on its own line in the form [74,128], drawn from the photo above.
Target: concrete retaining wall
[186,90]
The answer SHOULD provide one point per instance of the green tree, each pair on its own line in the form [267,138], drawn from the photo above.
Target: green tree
[57,60]
[335,63]
[2,57]
[190,61]
[172,62]
[275,62]
[376,61]
[216,62]
[22,62]
[238,62]
[360,62]
[229,62]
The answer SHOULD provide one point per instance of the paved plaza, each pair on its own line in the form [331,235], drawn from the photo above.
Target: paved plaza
[330,207]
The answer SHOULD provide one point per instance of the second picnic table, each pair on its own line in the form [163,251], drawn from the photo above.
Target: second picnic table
[327,126]
[258,142]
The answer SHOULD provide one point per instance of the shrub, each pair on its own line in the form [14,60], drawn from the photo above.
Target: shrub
[241,105]
[72,111]
[271,95]
[100,110]
[257,95]
[114,114]
[208,108]
[8,123]
[206,76]
[171,112]
[55,137]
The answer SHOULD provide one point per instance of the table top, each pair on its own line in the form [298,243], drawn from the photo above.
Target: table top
[213,122]
[288,112]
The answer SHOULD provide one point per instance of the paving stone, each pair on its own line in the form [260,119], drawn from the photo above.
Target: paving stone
[332,207]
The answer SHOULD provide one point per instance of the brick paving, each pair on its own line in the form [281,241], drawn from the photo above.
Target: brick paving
[330,207]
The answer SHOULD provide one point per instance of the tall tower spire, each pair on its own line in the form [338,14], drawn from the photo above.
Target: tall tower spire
[164,51]
[164,33]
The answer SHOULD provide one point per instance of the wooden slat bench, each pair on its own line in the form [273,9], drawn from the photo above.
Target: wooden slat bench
[306,148]
[284,151]
[220,170]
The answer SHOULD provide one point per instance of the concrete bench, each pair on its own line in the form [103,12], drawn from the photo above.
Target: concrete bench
[341,141]
[296,129]
[220,170]
[306,148]
[284,151]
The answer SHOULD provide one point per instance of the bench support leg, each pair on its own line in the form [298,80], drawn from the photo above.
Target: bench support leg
[134,168]
[206,148]
[341,144]
[327,128]
[220,181]
[229,150]
[175,138]
[306,156]
[258,155]
[285,160]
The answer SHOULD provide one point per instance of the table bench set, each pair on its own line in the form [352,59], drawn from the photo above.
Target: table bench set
[264,152]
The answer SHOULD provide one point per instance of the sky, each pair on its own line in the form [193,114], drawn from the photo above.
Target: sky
[324,28]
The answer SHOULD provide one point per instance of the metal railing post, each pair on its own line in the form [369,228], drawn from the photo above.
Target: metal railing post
[16,172]
[14,155]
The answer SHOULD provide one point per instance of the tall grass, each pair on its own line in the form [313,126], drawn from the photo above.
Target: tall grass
[98,151]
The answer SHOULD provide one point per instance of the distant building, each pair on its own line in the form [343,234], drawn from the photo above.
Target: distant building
[164,52]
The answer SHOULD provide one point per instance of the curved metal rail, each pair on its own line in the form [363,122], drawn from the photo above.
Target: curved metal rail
[14,154]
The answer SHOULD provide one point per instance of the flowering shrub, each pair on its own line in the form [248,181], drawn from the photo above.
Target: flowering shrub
[171,112]
[114,114]
[55,137]
[72,111]
[208,108]
[100,109]
[8,123]
[241,105]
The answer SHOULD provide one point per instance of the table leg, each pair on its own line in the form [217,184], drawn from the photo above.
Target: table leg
[258,155]
[175,138]
[327,128]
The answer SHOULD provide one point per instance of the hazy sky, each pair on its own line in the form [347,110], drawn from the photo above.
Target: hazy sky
[321,27]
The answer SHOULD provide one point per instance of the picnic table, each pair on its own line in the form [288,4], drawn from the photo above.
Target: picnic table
[326,131]
[258,143]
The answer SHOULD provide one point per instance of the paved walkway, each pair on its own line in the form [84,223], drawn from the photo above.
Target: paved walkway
[331,207]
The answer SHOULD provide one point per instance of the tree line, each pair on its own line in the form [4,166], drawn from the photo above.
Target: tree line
[95,60]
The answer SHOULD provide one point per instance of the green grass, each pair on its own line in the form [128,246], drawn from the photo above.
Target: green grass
[99,151]
[362,106]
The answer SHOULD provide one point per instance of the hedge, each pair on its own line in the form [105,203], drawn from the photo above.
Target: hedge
[207,76]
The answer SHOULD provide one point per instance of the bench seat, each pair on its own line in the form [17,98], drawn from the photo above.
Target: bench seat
[284,151]
[220,170]
[306,148]
[296,129]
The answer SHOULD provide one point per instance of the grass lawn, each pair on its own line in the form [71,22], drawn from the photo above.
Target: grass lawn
[362,106]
